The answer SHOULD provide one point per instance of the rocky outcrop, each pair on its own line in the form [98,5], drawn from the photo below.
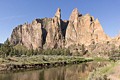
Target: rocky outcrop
[41,33]
[54,37]
[116,41]
[84,30]
[57,33]
[28,35]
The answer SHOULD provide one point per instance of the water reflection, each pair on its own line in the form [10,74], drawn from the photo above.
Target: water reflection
[71,72]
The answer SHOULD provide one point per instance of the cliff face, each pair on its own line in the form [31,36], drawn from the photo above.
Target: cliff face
[54,34]
[57,33]
[84,30]
[29,35]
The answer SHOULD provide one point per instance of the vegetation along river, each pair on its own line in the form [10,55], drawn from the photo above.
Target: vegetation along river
[69,72]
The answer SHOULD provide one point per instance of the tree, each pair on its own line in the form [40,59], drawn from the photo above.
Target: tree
[6,48]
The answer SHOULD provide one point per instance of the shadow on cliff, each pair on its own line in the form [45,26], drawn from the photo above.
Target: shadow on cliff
[64,25]
[44,35]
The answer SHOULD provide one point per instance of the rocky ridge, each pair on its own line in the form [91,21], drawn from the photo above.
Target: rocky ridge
[57,33]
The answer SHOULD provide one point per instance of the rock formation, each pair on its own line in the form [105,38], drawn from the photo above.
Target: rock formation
[41,33]
[57,33]
[29,35]
[54,34]
[84,30]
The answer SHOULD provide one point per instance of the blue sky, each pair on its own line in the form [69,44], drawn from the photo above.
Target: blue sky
[15,12]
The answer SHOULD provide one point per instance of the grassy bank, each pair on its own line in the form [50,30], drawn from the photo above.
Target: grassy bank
[100,59]
[38,61]
[102,72]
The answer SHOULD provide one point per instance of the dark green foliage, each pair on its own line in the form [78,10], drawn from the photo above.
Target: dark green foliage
[8,50]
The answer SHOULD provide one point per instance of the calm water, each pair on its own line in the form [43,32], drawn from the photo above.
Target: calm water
[71,72]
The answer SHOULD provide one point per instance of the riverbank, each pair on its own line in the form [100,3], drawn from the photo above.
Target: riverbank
[111,71]
[115,72]
[38,62]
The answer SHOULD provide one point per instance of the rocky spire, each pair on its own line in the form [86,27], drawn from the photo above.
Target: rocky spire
[74,15]
[58,13]
[54,33]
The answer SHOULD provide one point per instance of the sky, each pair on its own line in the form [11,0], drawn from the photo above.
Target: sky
[15,12]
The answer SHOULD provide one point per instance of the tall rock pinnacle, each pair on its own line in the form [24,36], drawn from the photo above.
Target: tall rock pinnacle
[54,36]
[58,13]
[74,15]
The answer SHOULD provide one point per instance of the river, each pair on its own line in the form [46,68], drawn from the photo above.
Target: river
[69,72]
